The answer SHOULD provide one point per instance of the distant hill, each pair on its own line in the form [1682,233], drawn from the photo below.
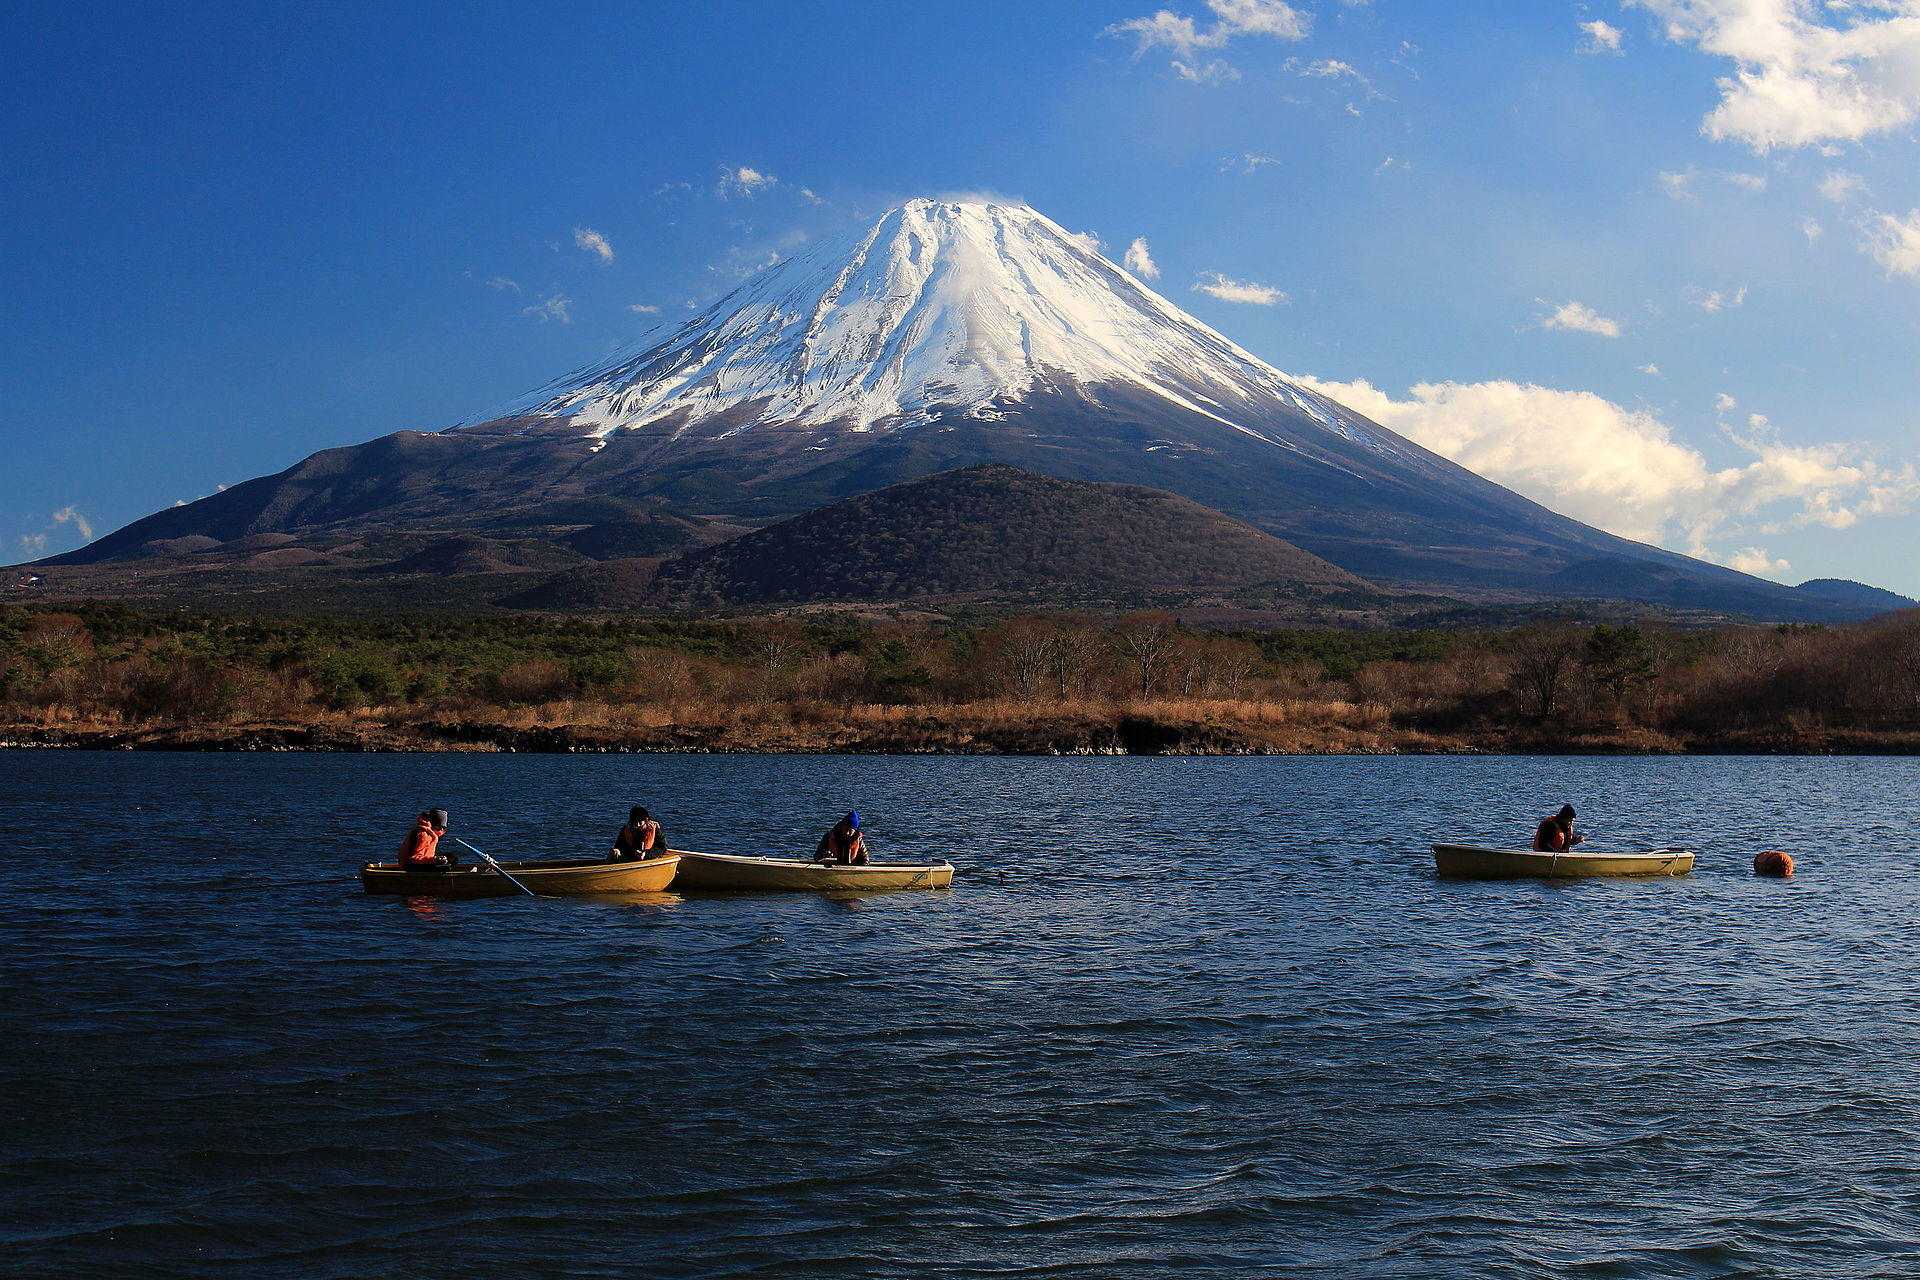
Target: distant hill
[995,528]
[1844,592]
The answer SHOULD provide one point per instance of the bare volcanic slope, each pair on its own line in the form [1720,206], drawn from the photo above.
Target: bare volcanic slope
[951,333]
[990,529]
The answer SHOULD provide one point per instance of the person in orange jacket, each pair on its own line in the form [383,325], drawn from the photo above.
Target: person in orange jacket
[640,839]
[1555,834]
[420,849]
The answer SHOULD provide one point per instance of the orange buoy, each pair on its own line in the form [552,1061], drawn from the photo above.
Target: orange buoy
[1773,863]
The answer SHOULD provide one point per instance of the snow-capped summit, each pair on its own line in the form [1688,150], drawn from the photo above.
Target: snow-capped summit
[941,307]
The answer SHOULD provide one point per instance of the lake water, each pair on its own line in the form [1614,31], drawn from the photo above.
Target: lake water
[1177,1017]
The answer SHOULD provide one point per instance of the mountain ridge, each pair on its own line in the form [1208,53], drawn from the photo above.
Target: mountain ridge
[948,334]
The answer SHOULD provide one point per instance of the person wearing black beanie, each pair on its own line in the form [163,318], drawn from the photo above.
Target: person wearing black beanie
[640,839]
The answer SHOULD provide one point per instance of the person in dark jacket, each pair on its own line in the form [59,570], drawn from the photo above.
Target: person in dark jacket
[420,849]
[640,839]
[843,843]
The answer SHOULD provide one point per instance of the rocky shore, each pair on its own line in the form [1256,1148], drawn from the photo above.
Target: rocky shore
[934,735]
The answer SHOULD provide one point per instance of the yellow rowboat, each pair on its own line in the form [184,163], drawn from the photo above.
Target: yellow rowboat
[728,871]
[1498,864]
[572,877]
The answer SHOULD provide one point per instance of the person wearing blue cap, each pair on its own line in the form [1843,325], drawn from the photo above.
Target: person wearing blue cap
[844,843]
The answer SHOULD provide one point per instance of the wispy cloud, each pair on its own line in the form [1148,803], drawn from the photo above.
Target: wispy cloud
[1187,37]
[1578,317]
[500,284]
[1601,37]
[34,544]
[1894,242]
[1685,184]
[1249,162]
[743,182]
[1842,186]
[643,308]
[1139,261]
[1215,285]
[1212,71]
[554,307]
[1715,299]
[70,514]
[591,241]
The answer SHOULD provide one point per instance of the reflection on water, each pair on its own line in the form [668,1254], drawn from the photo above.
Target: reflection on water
[1213,1017]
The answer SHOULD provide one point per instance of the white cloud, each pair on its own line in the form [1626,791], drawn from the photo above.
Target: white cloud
[1578,317]
[1602,37]
[1263,18]
[586,238]
[1215,285]
[34,544]
[555,307]
[1247,163]
[1086,240]
[1841,186]
[744,181]
[1391,163]
[1213,71]
[1680,185]
[1715,300]
[1894,242]
[1651,370]
[1804,74]
[1684,185]
[1139,261]
[1811,229]
[643,308]
[1621,469]
[1325,69]
[500,284]
[1185,37]
[1724,403]
[1757,562]
[70,514]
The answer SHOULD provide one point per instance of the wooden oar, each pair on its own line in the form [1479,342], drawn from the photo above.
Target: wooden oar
[497,867]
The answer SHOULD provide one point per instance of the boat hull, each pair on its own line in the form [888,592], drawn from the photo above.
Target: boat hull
[1478,863]
[573,878]
[790,875]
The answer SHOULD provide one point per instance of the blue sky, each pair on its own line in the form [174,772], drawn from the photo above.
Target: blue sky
[1656,264]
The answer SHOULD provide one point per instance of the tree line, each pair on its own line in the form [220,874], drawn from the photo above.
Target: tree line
[113,664]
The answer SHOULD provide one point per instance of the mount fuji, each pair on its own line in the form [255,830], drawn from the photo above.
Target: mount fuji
[949,333]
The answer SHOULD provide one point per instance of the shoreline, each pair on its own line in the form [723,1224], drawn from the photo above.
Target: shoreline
[1041,737]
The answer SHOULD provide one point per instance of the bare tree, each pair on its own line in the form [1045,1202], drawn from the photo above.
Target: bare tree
[1144,640]
[1024,652]
[1543,659]
[1075,644]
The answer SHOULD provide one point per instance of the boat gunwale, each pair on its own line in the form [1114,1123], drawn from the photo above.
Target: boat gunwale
[1569,865]
[762,860]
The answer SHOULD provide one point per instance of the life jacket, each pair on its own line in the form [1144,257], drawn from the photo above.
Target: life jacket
[1550,838]
[420,846]
[843,847]
[639,835]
